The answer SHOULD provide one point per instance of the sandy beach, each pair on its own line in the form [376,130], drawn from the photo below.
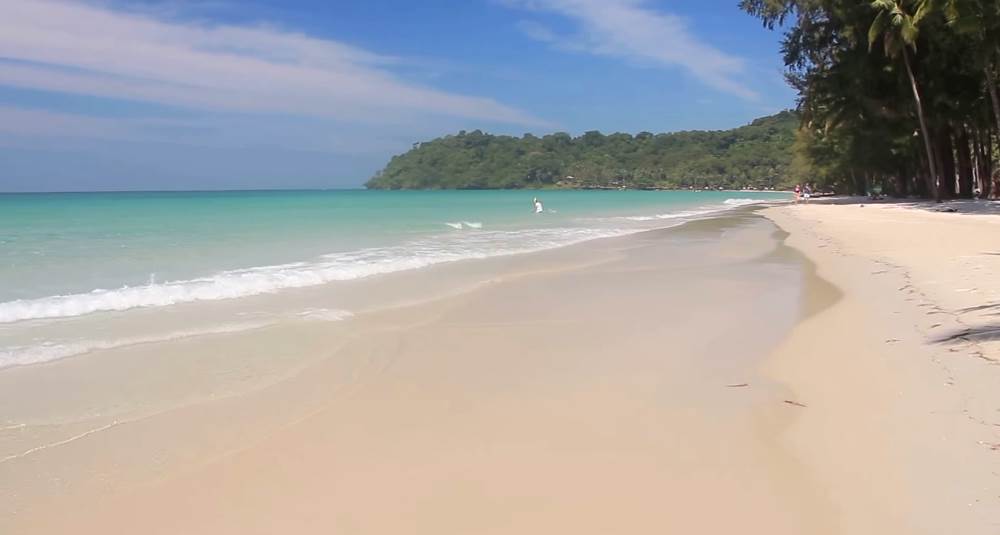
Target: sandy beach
[506,267]
[900,373]
[791,370]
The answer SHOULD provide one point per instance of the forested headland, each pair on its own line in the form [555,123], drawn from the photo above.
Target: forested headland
[894,94]
[757,155]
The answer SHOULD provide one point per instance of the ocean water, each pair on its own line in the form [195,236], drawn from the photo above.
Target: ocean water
[94,258]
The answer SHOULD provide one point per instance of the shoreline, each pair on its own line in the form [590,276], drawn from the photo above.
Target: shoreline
[561,363]
[749,359]
[65,320]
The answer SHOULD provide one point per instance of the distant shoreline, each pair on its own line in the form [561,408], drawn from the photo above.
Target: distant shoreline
[755,155]
[363,188]
[595,188]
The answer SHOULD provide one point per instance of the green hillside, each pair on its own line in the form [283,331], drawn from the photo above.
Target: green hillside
[757,155]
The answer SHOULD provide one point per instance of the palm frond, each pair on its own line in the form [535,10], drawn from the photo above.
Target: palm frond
[908,31]
[925,8]
[877,28]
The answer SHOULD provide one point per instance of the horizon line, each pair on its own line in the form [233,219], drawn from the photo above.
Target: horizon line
[219,190]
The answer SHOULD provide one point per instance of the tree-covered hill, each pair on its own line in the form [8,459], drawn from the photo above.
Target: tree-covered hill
[757,155]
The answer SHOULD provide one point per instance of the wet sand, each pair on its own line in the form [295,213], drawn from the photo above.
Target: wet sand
[702,379]
[587,389]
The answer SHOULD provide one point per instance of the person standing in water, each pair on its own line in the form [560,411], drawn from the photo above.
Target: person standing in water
[538,205]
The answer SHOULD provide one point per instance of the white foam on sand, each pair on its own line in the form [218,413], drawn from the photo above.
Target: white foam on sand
[745,202]
[702,211]
[48,351]
[459,225]
[325,314]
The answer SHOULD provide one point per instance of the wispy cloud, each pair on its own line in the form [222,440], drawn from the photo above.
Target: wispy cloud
[537,31]
[26,122]
[34,127]
[93,50]
[632,30]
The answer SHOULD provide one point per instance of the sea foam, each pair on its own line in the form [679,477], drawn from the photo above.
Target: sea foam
[744,202]
[44,352]
[459,225]
[702,211]
[343,266]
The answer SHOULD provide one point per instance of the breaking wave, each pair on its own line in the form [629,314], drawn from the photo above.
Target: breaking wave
[328,268]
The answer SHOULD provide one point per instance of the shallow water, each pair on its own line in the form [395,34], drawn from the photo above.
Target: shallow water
[73,255]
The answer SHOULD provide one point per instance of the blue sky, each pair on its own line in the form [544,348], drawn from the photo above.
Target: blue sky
[317,94]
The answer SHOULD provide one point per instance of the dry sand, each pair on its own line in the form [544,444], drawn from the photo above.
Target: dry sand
[597,388]
[901,374]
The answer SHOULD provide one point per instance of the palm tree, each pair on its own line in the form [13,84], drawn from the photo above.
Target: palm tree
[980,21]
[898,30]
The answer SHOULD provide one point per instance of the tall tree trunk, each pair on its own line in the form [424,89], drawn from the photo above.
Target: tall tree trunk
[991,86]
[992,188]
[963,150]
[982,169]
[932,180]
[901,182]
[946,163]
[919,183]
[976,176]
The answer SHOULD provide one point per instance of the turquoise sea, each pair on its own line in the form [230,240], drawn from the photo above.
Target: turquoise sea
[68,255]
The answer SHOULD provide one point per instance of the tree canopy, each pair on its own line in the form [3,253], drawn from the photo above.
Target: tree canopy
[894,94]
[756,155]
[897,95]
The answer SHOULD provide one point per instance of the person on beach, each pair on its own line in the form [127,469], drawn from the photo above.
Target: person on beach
[798,192]
[538,205]
[807,192]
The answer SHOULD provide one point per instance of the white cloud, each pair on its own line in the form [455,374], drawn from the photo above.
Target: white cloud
[33,127]
[87,49]
[536,31]
[31,123]
[632,30]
